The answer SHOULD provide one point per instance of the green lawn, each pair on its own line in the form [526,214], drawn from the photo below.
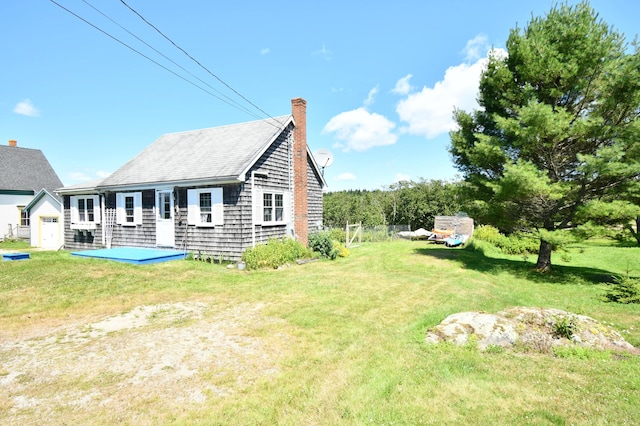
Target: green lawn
[346,338]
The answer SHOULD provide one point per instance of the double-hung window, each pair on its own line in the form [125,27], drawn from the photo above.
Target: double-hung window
[271,207]
[205,207]
[129,208]
[85,211]
[24,216]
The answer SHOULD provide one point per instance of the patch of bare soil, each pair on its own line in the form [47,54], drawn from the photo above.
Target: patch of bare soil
[168,356]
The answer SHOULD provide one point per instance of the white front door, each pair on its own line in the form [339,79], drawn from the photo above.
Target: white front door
[49,233]
[165,225]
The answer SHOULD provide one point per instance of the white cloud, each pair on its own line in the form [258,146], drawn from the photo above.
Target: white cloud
[371,97]
[27,108]
[402,86]
[359,130]
[429,113]
[86,176]
[265,51]
[345,176]
[476,48]
[400,177]
[79,177]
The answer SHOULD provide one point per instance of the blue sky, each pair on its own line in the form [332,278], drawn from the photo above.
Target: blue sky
[380,78]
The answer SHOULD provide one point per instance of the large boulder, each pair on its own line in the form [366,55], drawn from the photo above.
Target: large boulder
[534,328]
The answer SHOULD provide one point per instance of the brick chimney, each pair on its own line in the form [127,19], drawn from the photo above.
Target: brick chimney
[13,142]
[300,203]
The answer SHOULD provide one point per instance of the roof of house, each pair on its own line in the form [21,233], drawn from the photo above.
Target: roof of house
[25,169]
[39,196]
[218,153]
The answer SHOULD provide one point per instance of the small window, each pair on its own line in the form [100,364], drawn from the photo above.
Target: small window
[24,216]
[85,212]
[270,208]
[90,217]
[205,207]
[267,207]
[279,198]
[128,208]
[82,210]
[165,205]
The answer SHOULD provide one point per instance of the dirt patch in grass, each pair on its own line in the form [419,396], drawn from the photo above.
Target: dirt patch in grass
[154,358]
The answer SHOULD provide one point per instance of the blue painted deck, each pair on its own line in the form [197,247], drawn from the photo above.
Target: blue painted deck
[15,256]
[136,255]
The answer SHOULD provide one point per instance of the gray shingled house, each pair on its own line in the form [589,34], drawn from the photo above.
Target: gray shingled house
[27,179]
[216,191]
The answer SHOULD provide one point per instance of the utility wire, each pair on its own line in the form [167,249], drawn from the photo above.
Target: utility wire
[155,62]
[197,62]
[170,60]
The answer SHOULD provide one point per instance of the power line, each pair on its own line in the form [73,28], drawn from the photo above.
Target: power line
[197,62]
[234,104]
[169,59]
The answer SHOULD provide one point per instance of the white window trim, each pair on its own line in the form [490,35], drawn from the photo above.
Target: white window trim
[258,207]
[121,213]
[75,214]
[193,207]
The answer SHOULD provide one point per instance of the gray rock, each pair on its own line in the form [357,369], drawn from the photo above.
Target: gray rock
[535,328]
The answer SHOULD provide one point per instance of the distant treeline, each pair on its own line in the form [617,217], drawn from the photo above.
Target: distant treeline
[404,203]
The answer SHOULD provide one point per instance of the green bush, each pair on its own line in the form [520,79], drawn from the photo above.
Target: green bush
[275,253]
[488,233]
[564,326]
[321,243]
[338,234]
[340,248]
[624,290]
[517,243]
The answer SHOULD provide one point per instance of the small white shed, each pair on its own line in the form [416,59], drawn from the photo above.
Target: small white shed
[46,221]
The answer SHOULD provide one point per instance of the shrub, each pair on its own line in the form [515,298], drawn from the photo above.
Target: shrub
[517,243]
[326,246]
[321,243]
[338,234]
[275,253]
[624,290]
[488,233]
[340,248]
[564,326]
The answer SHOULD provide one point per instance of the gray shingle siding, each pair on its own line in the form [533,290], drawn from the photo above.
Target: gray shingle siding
[314,197]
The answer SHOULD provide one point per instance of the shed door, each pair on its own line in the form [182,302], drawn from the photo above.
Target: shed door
[165,226]
[49,232]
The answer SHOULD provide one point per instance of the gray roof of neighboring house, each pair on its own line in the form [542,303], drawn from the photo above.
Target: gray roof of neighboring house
[216,153]
[81,188]
[25,169]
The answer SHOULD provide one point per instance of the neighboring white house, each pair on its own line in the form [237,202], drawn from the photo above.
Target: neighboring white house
[24,174]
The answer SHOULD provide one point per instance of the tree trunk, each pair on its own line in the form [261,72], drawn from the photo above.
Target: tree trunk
[544,256]
[635,232]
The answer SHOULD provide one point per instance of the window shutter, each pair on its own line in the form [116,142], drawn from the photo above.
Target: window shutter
[288,207]
[217,206]
[257,206]
[75,218]
[193,207]
[120,209]
[96,208]
[137,208]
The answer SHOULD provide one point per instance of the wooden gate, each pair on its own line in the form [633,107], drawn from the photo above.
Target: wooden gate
[351,235]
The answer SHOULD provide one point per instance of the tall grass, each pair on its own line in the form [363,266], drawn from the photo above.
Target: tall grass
[355,329]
